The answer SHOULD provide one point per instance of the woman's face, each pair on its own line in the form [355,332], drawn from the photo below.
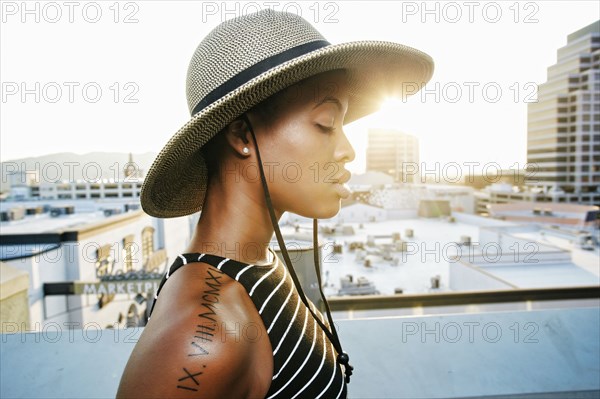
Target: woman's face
[304,149]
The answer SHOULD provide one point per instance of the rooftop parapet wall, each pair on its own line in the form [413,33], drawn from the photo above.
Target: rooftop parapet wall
[14,303]
[533,354]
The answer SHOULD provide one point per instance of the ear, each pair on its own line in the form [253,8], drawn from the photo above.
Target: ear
[237,136]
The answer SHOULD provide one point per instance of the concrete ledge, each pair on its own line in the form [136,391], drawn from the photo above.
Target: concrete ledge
[527,354]
[14,300]
[12,281]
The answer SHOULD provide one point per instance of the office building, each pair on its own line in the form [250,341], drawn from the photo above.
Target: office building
[394,153]
[563,141]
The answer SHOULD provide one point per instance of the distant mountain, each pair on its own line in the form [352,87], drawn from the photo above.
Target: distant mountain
[70,166]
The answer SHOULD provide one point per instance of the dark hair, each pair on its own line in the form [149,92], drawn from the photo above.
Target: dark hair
[212,151]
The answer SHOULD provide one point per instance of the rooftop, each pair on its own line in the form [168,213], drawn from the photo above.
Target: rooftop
[415,267]
[559,274]
[86,212]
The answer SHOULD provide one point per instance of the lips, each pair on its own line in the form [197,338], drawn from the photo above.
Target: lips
[341,187]
[343,178]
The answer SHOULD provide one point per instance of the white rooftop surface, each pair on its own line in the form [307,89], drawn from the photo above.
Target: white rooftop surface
[86,212]
[413,272]
[544,275]
[44,223]
[586,259]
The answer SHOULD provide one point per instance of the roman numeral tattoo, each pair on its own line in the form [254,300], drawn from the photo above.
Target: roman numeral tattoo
[191,376]
[210,297]
[204,332]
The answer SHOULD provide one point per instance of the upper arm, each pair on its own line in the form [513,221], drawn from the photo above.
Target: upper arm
[193,347]
[185,367]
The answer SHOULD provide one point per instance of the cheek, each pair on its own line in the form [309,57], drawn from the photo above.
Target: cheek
[304,191]
[302,169]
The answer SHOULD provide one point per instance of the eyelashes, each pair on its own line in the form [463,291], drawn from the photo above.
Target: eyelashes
[326,129]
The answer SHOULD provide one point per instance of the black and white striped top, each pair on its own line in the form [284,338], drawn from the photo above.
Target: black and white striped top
[304,360]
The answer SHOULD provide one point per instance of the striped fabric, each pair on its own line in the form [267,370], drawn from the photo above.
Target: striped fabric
[304,360]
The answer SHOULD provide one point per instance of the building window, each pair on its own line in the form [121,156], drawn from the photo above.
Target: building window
[104,262]
[147,243]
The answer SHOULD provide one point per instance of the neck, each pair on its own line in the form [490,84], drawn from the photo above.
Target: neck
[234,222]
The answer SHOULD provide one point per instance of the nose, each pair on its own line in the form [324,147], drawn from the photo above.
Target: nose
[344,152]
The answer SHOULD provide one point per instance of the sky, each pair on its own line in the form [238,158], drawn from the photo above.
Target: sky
[110,76]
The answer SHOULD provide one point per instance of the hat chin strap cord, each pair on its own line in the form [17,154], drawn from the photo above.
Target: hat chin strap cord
[342,357]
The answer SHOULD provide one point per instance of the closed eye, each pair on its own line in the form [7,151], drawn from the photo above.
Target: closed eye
[327,129]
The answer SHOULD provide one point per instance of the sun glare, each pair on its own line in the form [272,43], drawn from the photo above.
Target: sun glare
[387,115]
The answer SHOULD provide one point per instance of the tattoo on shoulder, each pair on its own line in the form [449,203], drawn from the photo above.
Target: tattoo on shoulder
[210,297]
[205,331]
[193,376]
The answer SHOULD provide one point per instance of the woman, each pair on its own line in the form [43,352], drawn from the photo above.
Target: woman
[235,322]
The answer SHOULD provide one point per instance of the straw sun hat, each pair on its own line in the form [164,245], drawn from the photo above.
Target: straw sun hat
[245,60]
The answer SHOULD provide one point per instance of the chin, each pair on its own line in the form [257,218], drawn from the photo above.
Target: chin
[324,210]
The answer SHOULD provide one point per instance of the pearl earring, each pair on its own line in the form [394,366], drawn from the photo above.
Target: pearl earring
[246,151]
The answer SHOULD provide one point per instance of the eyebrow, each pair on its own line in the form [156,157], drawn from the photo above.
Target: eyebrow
[330,99]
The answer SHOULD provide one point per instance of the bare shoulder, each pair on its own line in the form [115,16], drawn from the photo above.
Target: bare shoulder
[205,339]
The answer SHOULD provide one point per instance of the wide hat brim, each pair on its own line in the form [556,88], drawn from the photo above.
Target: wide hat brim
[175,184]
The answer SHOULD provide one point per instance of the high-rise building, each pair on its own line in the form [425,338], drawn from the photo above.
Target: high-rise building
[394,153]
[563,141]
